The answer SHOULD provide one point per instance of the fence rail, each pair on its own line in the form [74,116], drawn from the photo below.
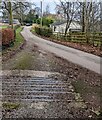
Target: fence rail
[94,39]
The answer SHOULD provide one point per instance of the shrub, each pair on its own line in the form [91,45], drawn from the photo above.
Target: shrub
[16,26]
[7,36]
[38,21]
[44,31]
[37,30]
[34,25]
[46,21]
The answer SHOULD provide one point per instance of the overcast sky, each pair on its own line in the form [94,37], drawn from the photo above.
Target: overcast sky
[51,3]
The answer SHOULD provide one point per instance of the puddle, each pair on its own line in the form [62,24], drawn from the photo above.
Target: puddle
[39,105]
[78,105]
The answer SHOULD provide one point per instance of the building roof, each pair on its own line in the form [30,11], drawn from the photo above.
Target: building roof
[62,22]
[58,23]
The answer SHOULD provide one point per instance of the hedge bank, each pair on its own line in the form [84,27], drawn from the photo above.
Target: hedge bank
[43,31]
[7,36]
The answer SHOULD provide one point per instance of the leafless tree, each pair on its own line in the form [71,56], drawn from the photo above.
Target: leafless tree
[100,15]
[47,10]
[14,6]
[7,5]
[69,11]
[87,12]
[101,22]
[90,12]
[23,8]
[38,11]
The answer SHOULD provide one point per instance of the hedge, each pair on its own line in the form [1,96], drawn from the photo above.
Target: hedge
[7,36]
[43,31]
[16,26]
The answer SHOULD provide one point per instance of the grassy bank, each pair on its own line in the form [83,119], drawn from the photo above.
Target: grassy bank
[90,92]
[3,26]
[24,62]
[19,40]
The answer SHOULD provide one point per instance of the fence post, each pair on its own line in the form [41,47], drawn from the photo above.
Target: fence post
[93,38]
[70,36]
[101,41]
[57,35]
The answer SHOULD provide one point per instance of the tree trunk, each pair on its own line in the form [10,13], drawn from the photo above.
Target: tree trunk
[10,14]
[86,21]
[67,26]
[100,16]
[83,17]
[66,29]
[101,23]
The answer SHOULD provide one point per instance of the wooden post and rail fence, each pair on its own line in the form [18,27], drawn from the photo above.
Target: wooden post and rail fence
[94,39]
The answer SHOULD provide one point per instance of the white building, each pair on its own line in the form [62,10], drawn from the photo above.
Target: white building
[60,26]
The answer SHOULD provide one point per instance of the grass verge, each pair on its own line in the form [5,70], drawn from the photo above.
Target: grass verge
[19,37]
[84,88]
[90,93]
[24,63]
[32,30]
[3,26]
[19,40]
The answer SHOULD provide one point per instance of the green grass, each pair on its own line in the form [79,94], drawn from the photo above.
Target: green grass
[19,37]
[11,106]
[84,88]
[25,62]
[3,26]
[32,30]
